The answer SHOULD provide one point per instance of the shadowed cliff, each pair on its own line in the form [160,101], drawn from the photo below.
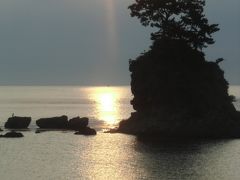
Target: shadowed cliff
[177,92]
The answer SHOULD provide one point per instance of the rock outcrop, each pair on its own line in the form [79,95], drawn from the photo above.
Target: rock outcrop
[86,131]
[16,122]
[12,134]
[177,93]
[60,122]
[78,123]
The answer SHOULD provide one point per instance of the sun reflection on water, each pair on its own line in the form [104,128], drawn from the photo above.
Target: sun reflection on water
[107,104]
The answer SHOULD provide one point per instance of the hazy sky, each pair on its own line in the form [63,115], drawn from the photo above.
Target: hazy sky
[89,42]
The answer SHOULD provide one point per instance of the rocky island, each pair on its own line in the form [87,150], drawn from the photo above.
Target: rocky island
[80,125]
[77,124]
[177,92]
[16,122]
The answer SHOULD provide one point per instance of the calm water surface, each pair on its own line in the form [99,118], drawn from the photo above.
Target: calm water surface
[105,106]
[62,155]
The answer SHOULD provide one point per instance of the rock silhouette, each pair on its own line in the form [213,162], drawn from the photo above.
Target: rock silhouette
[78,123]
[177,92]
[12,134]
[86,131]
[60,122]
[16,122]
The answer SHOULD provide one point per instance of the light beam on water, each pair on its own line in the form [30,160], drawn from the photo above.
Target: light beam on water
[107,104]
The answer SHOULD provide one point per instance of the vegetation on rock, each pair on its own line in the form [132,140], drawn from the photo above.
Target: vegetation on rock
[177,92]
[176,19]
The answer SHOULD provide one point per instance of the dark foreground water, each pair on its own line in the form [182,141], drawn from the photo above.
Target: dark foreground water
[59,155]
[62,155]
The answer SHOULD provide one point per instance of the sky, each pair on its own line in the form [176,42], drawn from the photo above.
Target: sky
[89,42]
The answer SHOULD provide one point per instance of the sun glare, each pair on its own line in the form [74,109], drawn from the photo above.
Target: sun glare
[107,104]
[111,29]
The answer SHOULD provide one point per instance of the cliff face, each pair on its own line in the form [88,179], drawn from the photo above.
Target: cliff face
[178,93]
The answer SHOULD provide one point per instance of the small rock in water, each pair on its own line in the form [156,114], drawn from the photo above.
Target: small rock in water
[12,134]
[16,122]
[78,123]
[86,131]
[53,122]
[37,131]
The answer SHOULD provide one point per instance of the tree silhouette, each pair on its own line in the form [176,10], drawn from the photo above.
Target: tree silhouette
[177,92]
[176,19]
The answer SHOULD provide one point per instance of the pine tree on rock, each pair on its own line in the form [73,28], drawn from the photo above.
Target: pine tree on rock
[176,19]
[177,92]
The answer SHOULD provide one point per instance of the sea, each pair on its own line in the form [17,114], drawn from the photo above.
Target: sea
[61,155]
